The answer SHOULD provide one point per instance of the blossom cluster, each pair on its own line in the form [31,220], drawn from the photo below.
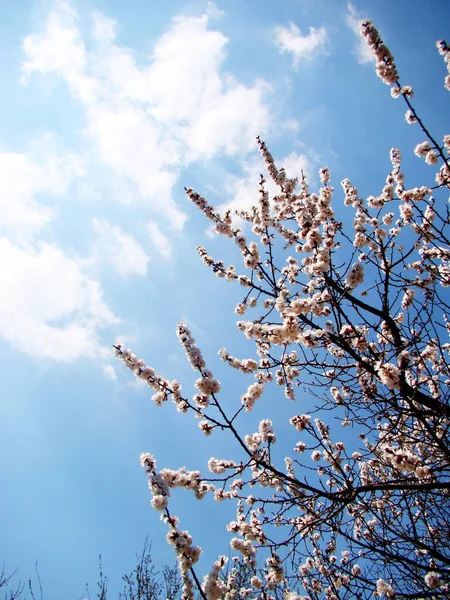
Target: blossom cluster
[160,483]
[181,541]
[385,66]
[163,387]
[213,587]
[444,50]
[246,365]
[353,322]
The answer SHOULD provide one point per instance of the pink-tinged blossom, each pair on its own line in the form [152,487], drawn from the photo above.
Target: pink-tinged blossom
[408,298]
[300,422]
[355,276]
[432,580]
[187,554]
[254,392]
[266,431]
[324,175]
[240,309]
[406,212]
[410,118]
[389,374]
[385,589]
[246,365]
[376,361]
[300,447]
[385,66]
[163,387]
[148,462]
[193,353]
[422,149]
[444,50]
[407,91]
[207,386]
[219,466]
[337,396]
[159,502]
[431,157]
[443,176]
[213,587]
[446,141]
[206,427]
[245,547]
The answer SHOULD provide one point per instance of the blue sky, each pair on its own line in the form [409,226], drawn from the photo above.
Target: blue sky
[109,110]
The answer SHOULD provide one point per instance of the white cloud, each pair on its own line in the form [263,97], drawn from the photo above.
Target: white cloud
[296,163]
[147,122]
[48,308]
[121,249]
[110,372]
[60,50]
[290,125]
[143,124]
[104,29]
[213,11]
[129,142]
[302,47]
[183,79]
[159,239]
[26,181]
[230,125]
[362,50]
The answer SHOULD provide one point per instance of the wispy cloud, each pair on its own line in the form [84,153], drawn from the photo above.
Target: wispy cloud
[48,307]
[148,121]
[213,11]
[120,249]
[143,123]
[302,47]
[28,181]
[160,240]
[110,372]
